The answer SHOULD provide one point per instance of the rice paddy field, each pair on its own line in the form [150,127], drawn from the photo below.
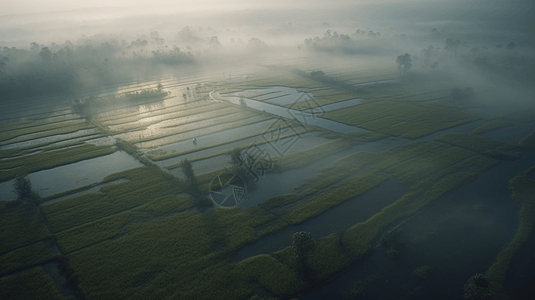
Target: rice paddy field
[405,190]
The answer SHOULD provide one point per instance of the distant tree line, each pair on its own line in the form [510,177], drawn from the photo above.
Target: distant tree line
[338,43]
[502,61]
[86,107]
[319,75]
[65,69]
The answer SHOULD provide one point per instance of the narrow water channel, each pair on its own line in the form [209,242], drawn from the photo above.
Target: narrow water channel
[336,219]
[305,117]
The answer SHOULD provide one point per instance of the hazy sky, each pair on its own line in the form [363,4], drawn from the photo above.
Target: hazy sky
[35,6]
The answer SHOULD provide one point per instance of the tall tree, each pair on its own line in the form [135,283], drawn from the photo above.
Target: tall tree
[187,169]
[404,63]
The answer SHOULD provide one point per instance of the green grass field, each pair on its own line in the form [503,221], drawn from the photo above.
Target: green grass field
[31,284]
[522,190]
[142,236]
[407,120]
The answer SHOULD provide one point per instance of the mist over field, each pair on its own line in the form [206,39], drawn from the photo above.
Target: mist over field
[284,149]
[64,47]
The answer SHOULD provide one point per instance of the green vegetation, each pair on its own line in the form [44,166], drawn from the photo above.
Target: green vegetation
[274,276]
[160,113]
[302,245]
[336,251]
[425,96]
[528,141]
[47,160]
[499,123]
[143,216]
[321,77]
[144,237]
[177,255]
[320,98]
[20,227]
[183,118]
[473,142]
[522,190]
[114,226]
[142,186]
[302,158]
[367,136]
[25,257]
[193,187]
[50,129]
[408,120]
[273,78]
[161,155]
[180,134]
[477,288]
[421,272]
[32,284]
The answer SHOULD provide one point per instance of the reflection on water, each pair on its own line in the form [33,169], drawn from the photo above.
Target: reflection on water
[211,139]
[23,142]
[6,191]
[350,212]
[303,117]
[457,236]
[279,95]
[511,134]
[64,178]
[302,142]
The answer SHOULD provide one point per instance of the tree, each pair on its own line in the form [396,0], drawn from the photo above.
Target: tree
[236,157]
[187,169]
[45,53]
[318,74]
[214,43]
[193,188]
[510,46]
[34,47]
[256,44]
[452,46]
[404,63]
[459,94]
[23,187]
[3,62]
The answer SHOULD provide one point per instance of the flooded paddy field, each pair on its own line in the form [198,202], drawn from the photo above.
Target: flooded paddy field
[79,174]
[396,190]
